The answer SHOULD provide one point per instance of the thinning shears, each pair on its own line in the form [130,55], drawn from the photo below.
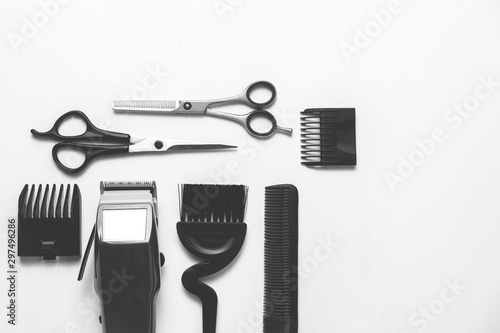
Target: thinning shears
[95,142]
[204,107]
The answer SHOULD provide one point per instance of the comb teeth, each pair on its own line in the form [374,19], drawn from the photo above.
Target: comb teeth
[43,211]
[151,105]
[59,208]
[36,205]
[281,259]
[49,221]
[52,200]
[328,137]
[213,203]
[29,208]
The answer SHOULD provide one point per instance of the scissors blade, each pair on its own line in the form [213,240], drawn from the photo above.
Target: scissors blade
[162,145]
[146,106]
[200,146]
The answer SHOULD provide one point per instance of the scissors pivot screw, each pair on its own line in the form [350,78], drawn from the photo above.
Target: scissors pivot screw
[187,106]
[158,144]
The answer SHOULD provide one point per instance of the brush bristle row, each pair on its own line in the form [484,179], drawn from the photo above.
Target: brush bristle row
[213,203]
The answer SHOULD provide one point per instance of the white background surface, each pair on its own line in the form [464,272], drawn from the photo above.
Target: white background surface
[396,248]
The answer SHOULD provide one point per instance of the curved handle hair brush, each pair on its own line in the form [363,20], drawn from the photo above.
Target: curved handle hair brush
[214,232]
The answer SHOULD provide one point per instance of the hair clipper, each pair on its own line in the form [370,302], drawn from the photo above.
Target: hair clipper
[127,257]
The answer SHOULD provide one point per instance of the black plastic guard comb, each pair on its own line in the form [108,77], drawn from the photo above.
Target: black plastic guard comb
[328,137]
[281,259]
[48,226]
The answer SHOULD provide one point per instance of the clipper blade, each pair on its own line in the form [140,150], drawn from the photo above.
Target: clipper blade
[129,185]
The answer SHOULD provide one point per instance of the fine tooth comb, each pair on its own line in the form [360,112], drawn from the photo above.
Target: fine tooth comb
[48,229]
[281,259]
[212,229]
[328,137]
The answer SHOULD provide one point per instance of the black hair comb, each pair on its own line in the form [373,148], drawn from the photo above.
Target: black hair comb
[281,259]
[212,229]
[328,137]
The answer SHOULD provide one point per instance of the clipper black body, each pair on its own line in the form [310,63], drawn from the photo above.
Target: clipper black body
[127,265]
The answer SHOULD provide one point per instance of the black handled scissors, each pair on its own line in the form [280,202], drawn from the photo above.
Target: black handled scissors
[92,143]
[203,107]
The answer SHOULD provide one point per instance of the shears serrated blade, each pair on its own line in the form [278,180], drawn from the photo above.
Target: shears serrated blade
[146,106]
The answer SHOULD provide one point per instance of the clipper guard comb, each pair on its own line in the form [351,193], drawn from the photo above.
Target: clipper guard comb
[328,137]
[48,229]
